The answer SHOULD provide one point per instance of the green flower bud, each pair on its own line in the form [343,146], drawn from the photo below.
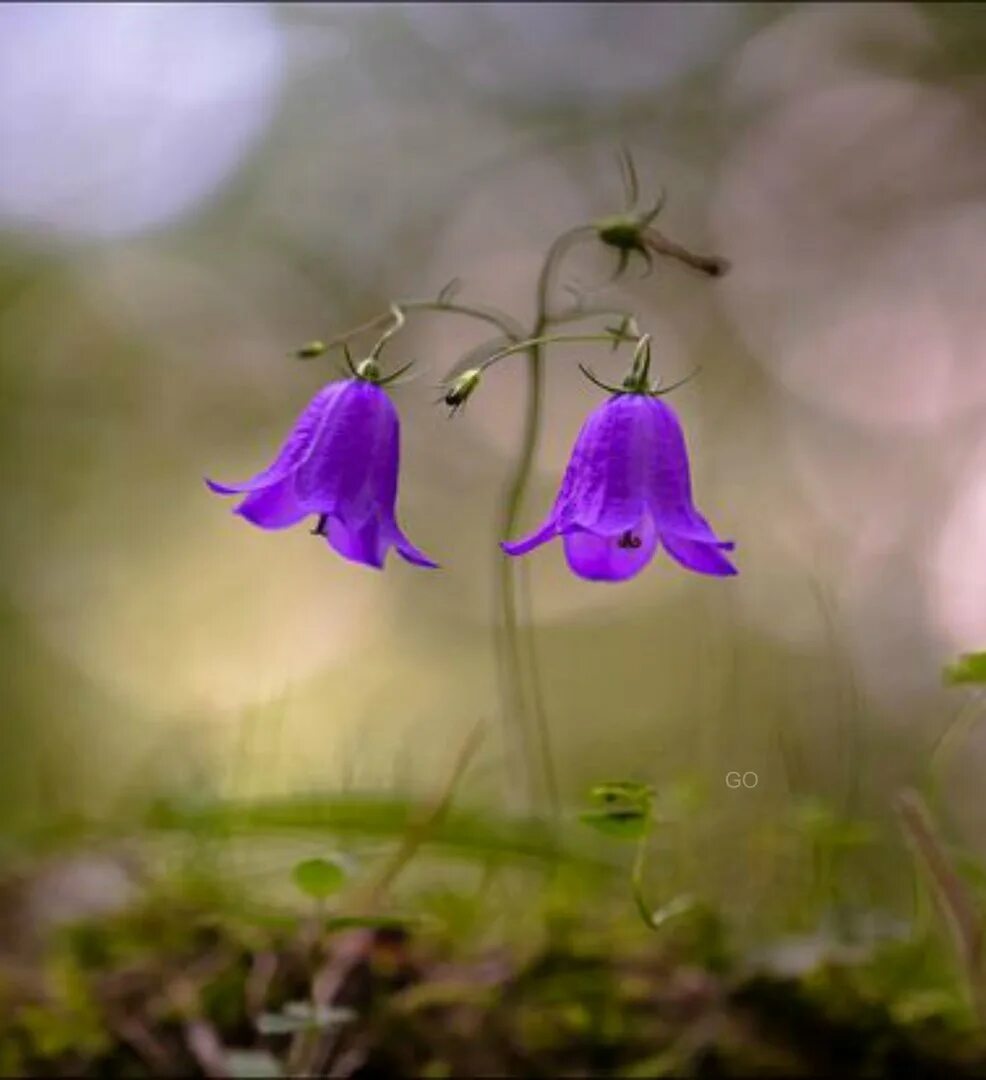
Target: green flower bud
[368,370]
[457,393]
[623,232]
[310,351]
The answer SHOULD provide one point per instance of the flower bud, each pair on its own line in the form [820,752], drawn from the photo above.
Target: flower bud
[622,232]
[368,370]
[310,351]
[460,389]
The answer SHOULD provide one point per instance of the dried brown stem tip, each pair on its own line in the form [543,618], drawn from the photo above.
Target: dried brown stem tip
[713,265]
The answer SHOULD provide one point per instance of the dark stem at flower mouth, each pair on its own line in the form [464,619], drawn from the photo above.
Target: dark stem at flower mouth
[629,539]
[320,525]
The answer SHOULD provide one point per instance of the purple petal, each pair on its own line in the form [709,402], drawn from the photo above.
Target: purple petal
[605,484]
[702,558]
[611,558]
[303,437]
[364,544]
[540,536]
[369,542]
[407,550]
[668,476]
[352,469]
[274,507]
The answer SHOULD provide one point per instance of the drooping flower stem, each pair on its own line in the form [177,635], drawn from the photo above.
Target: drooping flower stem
[510,328]
[537,342]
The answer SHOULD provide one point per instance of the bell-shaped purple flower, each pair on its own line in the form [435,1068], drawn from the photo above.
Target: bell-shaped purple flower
[339,462]
[626,490]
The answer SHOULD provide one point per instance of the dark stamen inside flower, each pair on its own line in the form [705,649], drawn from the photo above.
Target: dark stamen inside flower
[320,525]
[629,540]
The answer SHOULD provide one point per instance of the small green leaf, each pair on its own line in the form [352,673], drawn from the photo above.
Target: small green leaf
[318,878]
[628,823]
[969,668]
[612,790]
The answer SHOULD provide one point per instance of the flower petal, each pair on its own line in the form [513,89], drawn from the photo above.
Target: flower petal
[363,544]
[605,484]
[541,535]
[352,469]
[274,507]
[303,437]
[668,476]
[610,558]
[702,558]
[407,550]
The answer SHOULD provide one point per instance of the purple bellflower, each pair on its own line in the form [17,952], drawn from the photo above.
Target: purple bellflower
[626,491]
[339,462]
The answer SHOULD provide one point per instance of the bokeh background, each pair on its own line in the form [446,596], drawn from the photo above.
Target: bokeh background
[188,192]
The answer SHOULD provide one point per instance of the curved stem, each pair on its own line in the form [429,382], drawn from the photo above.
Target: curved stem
[511,508]
[397,313]
[509,327]
[549,339]
[574,314]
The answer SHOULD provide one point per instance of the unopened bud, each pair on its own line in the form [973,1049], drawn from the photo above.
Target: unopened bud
[368,370]
[459,391]
[623,232]
[310,351]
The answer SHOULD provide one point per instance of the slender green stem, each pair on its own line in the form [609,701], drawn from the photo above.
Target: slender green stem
[577,313]
[512,504]
[545,339]
[509,327]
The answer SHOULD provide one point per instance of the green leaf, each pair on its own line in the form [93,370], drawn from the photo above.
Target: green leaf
[621,790]
[628,823]
[318,878]
[969,668]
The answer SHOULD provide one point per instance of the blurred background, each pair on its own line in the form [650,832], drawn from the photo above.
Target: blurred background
[189,192]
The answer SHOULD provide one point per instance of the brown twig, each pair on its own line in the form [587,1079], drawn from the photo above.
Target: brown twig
[713,265]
